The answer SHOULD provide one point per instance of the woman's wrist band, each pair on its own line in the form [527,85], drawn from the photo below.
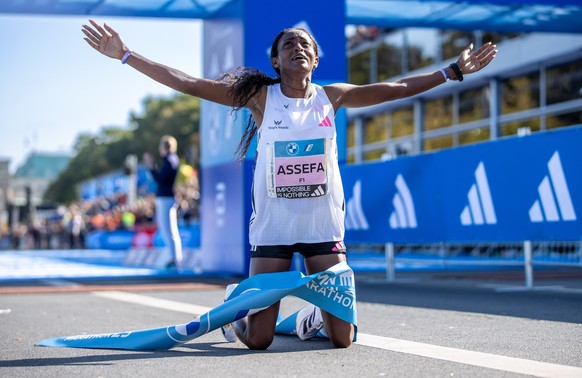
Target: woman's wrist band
[445,74]
[126,56]
[458,72]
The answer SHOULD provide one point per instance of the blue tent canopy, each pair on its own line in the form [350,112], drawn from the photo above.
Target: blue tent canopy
[562,16]
[492,15]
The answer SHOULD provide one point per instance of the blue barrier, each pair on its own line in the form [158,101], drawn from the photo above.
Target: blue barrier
[115,240]
[515,189]
[122,239]
[113,183]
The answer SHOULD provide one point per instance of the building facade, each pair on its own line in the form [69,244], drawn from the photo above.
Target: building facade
[5,193]
[33,177]
[533,85]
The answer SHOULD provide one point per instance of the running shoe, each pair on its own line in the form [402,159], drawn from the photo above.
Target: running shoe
[309,321]
[228,329]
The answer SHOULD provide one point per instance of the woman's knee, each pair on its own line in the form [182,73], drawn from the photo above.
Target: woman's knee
[258,342]
[341,333]
[259,329]
[341,341]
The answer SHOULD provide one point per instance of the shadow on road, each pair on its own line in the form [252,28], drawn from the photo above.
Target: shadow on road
[281,344]
[459,293]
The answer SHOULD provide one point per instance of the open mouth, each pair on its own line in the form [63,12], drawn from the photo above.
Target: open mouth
[299,57]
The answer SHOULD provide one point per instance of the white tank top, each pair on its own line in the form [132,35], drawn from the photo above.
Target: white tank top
[297,190]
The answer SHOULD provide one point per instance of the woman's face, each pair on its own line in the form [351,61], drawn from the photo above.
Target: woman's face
[296,53]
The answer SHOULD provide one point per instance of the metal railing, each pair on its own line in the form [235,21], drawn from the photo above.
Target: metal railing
[527,254]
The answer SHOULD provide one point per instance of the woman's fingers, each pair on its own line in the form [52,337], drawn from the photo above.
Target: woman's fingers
[483,50]
[103,39]
[90,36]
[99,28]
[485,54]
[467,51]
[91,43]
[90,32]
[111,31]
[479,59]
[488,58]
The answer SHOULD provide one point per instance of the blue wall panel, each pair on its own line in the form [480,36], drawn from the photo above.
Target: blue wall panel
[224,227]
[515,189]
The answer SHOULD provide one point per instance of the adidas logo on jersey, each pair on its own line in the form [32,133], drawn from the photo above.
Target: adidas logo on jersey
[318,192]
[325,122]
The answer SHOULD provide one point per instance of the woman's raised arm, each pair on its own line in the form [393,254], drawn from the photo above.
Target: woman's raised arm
[351,96]
[109,43]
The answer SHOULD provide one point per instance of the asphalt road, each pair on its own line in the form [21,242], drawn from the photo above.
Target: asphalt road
[424,325]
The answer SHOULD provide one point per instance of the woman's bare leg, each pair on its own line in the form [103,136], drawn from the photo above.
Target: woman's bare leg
[258,330]
[340,332]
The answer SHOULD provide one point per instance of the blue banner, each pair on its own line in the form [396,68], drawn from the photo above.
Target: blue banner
[123,239]
[117,240]
[520,188]
[223,226]
[221,129]
[117,182]
[332,290]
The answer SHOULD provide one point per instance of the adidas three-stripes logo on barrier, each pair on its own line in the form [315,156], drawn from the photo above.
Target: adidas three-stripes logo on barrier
[355,217]
[554,202]
[480,208]
[403,215]
[552,189]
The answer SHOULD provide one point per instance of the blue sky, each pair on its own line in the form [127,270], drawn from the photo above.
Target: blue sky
[53,86]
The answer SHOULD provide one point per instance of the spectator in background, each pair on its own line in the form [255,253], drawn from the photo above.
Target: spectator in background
[75,227]
[166,210]
[127,218]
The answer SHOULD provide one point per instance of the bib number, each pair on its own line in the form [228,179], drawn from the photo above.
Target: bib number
[297,169]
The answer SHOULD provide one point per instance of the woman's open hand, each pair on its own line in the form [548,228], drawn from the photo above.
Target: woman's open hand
[104,39]
[471,63]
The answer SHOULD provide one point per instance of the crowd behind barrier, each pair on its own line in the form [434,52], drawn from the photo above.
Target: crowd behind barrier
[68,227]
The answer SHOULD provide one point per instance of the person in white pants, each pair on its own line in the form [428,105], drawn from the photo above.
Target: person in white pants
[166,211]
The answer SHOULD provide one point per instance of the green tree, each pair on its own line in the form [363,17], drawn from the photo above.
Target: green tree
[359,68]
[177,115]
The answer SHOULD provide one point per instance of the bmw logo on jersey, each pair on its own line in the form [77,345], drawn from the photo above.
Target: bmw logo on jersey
[292,148]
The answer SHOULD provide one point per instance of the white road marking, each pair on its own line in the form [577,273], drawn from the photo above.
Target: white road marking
[165,304]
[468,357]
[462,356]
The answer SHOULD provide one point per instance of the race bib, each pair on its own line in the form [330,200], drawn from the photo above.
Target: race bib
[297,169]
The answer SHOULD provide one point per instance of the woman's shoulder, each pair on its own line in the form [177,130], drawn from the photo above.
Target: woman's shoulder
[258,102]
[335,92]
